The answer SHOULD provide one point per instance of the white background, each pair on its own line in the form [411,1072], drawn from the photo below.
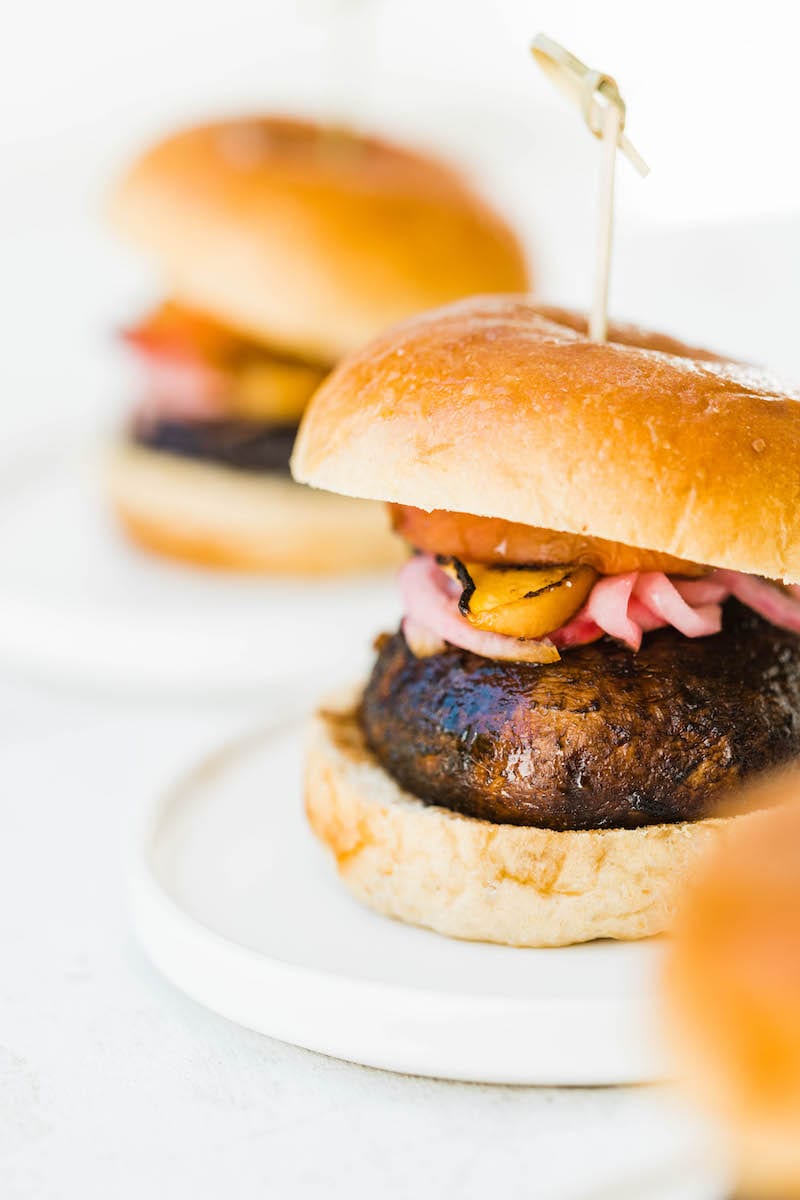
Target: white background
[711,85]
[711,92]
[111,1084]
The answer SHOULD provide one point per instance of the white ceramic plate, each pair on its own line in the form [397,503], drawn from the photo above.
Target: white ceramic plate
[237,905]
[79,602]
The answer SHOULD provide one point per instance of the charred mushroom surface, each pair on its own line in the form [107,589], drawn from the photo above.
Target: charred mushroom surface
[605,738]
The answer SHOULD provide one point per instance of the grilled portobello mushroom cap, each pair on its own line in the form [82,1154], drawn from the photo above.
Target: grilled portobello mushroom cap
[604,738]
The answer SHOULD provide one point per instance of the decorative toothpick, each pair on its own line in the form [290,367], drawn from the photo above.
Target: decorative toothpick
[603,109]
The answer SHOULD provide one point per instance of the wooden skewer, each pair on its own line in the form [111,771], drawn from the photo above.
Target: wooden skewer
[604,112]
[598,317]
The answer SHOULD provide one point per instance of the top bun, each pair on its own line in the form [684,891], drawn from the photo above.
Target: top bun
[501,408]
[311,237]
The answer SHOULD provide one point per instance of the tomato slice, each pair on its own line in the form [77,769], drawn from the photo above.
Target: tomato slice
[491,540]
[175,332]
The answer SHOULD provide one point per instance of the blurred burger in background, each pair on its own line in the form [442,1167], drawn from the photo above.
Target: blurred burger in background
[283,245]
[733,991]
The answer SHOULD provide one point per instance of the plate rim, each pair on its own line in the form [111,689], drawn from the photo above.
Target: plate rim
[194,957]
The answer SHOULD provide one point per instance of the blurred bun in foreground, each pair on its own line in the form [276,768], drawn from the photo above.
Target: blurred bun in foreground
[733,990]
[283,245]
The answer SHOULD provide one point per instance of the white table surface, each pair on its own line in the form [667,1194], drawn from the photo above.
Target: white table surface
[113,1084]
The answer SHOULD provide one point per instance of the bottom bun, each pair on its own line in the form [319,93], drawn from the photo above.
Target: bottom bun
[513,884]
[218,516]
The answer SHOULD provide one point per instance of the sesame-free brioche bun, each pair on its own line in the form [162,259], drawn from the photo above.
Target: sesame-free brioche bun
[497,407]
[732,990]
[517,885]
[217,516]
[310,237]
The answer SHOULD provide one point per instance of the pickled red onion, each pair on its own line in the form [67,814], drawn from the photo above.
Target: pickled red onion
[430,602]
[577,632]
[702,591]
[608,608]
[763,597]
[180,390]
[660,597]
[622,606]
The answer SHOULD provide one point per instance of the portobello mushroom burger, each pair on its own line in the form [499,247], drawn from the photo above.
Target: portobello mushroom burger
[602,618]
